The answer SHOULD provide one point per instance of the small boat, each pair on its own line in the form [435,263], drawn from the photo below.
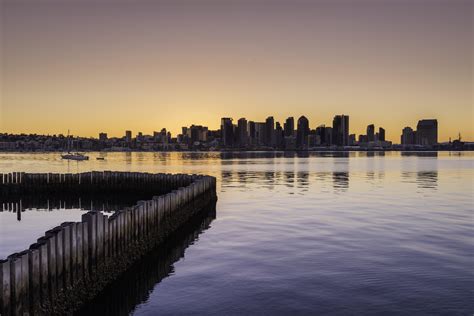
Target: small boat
[100,158]
[75,156]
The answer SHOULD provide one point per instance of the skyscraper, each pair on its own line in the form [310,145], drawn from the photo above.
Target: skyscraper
[340,130]
[227,132]
[279,135]
[370,132]
[260,133]
[289,126]
[270,131]
[427,132]
[302,132]
[381,134]
[242,136]
[408,136]
[251,126]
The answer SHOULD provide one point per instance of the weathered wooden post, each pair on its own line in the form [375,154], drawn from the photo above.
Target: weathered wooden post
[5,290]
[34,273]
[66,236]
[16,284]
[79,267]
[44,270]
[85,250]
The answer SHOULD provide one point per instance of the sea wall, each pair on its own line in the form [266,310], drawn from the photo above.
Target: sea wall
[74,261]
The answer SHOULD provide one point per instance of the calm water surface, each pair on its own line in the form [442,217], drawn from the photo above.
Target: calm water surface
[317,233]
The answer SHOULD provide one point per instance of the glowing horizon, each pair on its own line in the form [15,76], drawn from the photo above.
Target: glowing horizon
[101,66]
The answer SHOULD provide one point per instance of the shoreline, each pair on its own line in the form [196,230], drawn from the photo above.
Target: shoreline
[245,150]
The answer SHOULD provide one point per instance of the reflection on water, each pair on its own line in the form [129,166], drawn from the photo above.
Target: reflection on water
[427,179]
[135,285]
[24,218]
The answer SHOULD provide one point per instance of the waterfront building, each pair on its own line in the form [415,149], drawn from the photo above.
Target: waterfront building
[381,134]
[340,130]
[370,132]
[328,136]
[408,136]
[251,128]
[427,132]
[242,132]
[260,133]
[302,132]
[227,132]
[289,126]
[352,139]
[270,131]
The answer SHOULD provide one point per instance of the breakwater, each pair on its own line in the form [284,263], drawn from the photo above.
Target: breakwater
[74,261]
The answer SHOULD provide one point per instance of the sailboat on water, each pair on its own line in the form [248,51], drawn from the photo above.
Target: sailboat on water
[70,155]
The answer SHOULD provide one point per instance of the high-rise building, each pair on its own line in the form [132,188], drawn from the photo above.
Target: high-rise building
[242,135]
[370,132]
[198,133]
[227,132]
[381,134]
[128,136]
[270,131]
[408,136]
[321,132]
[302,132]
[328,140]
[279,135]
[427,132]
[260,133]
[252,132]
[289,126]
[340,130]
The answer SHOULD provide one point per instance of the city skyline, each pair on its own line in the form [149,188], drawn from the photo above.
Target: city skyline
[311,125]
[97,65]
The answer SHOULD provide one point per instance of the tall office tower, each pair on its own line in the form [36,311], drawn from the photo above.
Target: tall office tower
[340,130]
[260,133]
[370,132]
[408,136]
[279,135]
[252,132]
[321,132]
[302,132]
[128,136]
[381,134]
[289,126]
[427,132]
[328,136]
[242,137]
[227,132]
[270,131]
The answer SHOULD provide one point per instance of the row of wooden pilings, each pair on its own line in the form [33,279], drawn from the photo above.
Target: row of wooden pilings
[72,253]
[105,181]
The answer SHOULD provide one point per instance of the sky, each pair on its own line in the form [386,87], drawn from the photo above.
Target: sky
[110,66]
